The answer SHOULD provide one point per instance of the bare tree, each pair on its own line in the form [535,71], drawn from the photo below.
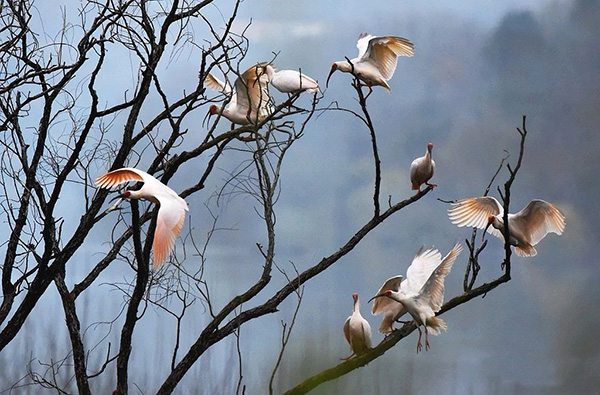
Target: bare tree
[61,128]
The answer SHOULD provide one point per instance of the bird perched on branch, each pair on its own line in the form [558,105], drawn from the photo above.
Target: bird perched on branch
[250,101]
[421,170]
[421,295]
[526,228]
[357,330]
[171,213]
[290,81]
[376,60]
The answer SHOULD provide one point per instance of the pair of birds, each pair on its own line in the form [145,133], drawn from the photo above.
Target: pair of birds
[420,294]
[250,102]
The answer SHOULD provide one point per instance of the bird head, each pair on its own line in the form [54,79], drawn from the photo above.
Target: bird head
[387,293]
[429,147]
[355,296]
[334,67]
[212,110]
[491,219]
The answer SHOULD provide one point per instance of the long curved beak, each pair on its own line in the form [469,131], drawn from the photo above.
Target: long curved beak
[207,116]
[329,76]
[376,296]
[485,231]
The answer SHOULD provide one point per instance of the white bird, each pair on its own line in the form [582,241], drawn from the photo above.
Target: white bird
[421,170]
[171,213]
[376,60]
[424,303]
[423,264]
[526,228]
[357,330]
[291,81]
[250,101]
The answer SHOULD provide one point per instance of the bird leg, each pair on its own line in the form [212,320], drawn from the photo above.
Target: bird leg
[347,358]
[419,341]
[370,91]
[428,184]
[426,339]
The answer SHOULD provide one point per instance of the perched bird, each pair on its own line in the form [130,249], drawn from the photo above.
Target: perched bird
[357,330]
[250,101]
[290,81]
[171,213]
[421,170]
[526,228]
[424,303]
[424,263]
[376,61]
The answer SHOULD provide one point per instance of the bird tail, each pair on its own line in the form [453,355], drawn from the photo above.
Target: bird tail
[434,325]
[525,250]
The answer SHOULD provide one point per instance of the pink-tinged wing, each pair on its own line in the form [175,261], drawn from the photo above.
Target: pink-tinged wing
[384,303]
[474,212]
[384,51]
[120,176]
[538,219]
[347,330]
[169,223]
[432,292]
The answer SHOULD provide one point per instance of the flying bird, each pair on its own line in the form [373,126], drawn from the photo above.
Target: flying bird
[422,304]
[376,60]
[357,330]
[250,102]
[290,81]
[526,228]
[423,264]
[421,170]
[171,213]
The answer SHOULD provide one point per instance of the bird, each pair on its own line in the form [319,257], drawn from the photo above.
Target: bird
[376,60]
[423,303]
[526,228]
[171,213]
[357,330]
[290,81]
[250,101]
[422,169]
[423,264]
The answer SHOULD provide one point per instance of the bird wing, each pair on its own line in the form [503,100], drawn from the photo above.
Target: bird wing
[169,223]
[214,83]
[383,303]
[538,219]
[252,90]
[424,263]
[363,43]
[432,292]
[120,176]
[474,212]
[347,330]
[384,51]
[366,332]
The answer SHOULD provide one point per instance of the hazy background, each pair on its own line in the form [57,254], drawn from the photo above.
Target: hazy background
[478,67]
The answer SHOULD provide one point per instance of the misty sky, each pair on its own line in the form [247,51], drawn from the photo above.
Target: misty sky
[478,67]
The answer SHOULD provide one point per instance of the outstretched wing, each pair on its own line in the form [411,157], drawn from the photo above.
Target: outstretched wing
[433,291]
[171,216]
[538,219]
[120,176]
[383,304]
[252,90]
[384,51]
[474,212]
[424,263]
